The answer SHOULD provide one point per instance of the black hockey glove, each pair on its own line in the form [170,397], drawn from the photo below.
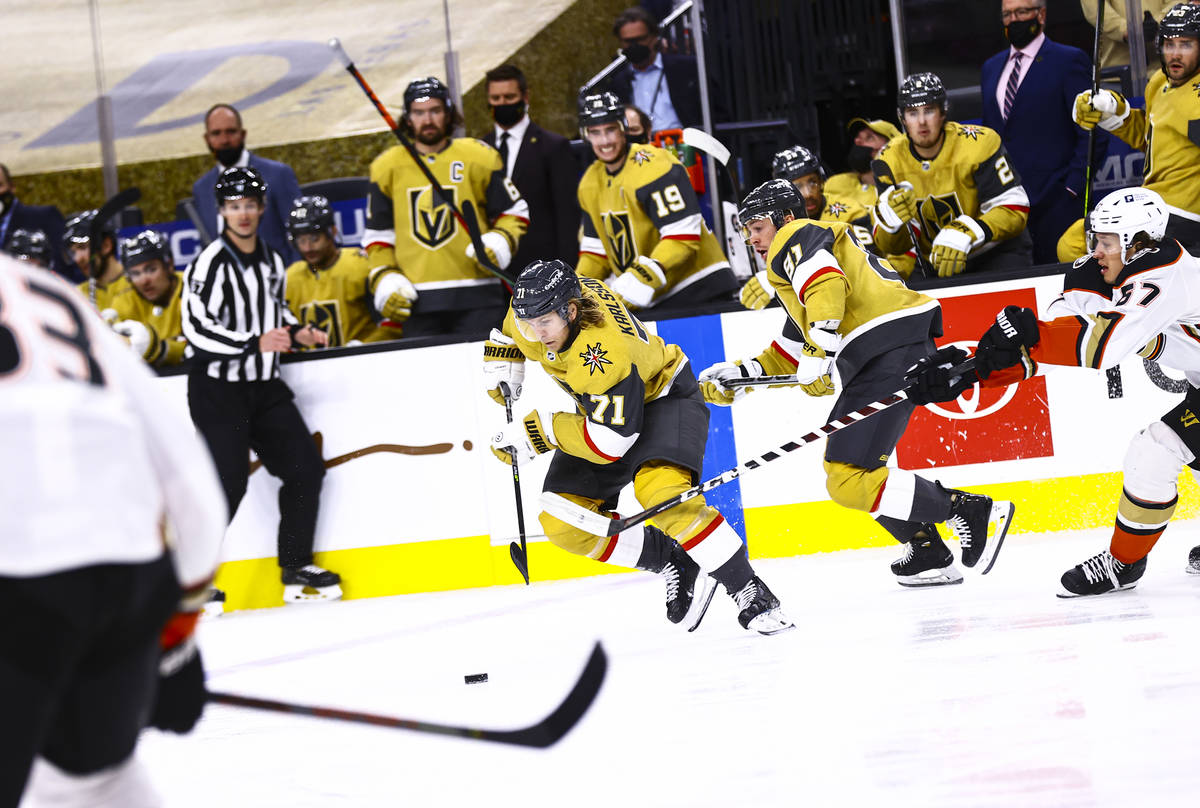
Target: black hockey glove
[930,379]
[181,693]
[1007,342]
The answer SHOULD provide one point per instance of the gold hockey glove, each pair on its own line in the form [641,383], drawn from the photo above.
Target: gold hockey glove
[757,292]
[712,380]
[531,436]
[953,244]
[503,362]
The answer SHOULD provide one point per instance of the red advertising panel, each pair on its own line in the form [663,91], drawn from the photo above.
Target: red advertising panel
[984,424]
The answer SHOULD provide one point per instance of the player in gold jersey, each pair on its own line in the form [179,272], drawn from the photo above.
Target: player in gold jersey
[867,139]
[332,288]
[149,311]
[955,184]
[410,229]
[848,306]
[1168,129]
[642,228]
[638,418]
[108,281]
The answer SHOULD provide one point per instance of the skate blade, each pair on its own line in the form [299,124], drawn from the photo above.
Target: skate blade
[700,601]
[1067,594]
[773,621]
[212,609]
[1002,514]
[946,576]
[299,593]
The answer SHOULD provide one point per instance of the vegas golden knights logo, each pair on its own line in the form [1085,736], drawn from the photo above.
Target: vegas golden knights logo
[618,228]
[325,315]
[432,223]
[938,211]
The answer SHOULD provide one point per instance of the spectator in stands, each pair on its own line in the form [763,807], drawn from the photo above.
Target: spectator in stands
[16,216]
[1025,88]
[30,246]
[666,86]
[643,234]
[953,185]
[1114,39]
[867,139]
[105,276]
[637,124]
[226,139]
[541,165]
[149,316]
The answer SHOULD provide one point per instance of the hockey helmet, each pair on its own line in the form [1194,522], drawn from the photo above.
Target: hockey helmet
[794,163]
[310,214]
[600,108]
[772,200]
[79,228]
[544,287]
[30,245]
[1183,20]
[146,246]
[1128,212]
[918,90]
[239,182]
[425,89]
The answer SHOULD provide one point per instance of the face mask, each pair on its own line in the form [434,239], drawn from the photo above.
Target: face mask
[6,200]
[508,114]
[228,156]
[637,53]
[641,137]
[859,159]
[1021,32]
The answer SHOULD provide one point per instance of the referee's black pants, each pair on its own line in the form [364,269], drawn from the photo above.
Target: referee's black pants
[235,417]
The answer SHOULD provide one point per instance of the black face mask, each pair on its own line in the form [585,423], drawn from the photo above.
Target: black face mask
[6,200]
[508,114]
[228,156]
[636,53]
[859,159]
[1021,32]
[641,137]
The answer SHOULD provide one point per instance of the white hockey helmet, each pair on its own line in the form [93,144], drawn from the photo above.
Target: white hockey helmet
[1126,213]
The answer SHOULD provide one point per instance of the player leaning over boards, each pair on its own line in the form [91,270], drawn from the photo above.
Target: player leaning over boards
[639,418]
[150,314]
[1152,309]
[848,306]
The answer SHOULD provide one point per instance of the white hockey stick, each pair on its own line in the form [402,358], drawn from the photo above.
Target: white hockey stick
[708,144]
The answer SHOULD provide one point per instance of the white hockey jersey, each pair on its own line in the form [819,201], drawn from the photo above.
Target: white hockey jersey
[95,460]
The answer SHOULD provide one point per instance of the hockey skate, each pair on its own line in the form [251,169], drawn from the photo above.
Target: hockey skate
[215,605]
[310,584]
[1193,565]
[760,609]
[689,589]
[1099,575]
[968,521]
[927,561]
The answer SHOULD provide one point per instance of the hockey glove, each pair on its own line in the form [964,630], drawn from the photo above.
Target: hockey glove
[394,297]
[1007,342]
[712,380]
[638,283]
[531,436]
[813,370]
[181,694]
[504,363]
[1108,109]
[954,243]
[142,338]
[757,292]
[498,250]
[897,205]
[930,379]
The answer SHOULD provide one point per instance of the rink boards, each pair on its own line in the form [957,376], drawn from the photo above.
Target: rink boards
[414,501]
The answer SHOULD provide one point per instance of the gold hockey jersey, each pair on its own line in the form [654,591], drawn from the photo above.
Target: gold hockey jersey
[846,204]
[338,300]
[612,371]
[165,320]
[848,188]
[106,294]
[647,208]
[971,175]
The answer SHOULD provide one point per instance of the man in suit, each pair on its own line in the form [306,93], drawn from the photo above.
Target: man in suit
[226,139]
[665,85]
[540,164]
[15,216]
[1029,90]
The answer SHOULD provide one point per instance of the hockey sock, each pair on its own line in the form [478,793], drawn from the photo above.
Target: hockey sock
[910,498]
[903,530]
[1139,525]
[656,549]
[734,573]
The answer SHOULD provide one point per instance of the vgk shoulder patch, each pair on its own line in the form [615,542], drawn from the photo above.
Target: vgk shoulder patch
[641,157]
[593,357]
[970,131]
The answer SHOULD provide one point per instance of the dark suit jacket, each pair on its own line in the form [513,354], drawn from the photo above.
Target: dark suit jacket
[1046,146]
[683,82]
[49,220]
[547,175]
[282,189]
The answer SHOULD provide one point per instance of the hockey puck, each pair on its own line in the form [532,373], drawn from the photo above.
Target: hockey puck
[475,678]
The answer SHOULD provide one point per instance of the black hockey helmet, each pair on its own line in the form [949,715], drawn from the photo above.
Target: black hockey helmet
[920,89]
[30,245]
[146,246]
[543,287]
[79,228]
[239,182]
[772,200]
[600,108]
[310,214]
[423,90]
[794,163]
[1182,20]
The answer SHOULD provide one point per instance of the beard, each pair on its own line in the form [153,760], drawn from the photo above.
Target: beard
[432,135]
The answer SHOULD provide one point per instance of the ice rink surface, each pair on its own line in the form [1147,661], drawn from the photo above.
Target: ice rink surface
[991,693]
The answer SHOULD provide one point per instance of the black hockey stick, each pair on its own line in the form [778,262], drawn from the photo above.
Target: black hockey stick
[541,735]
[466,215]
[114,205]
[756,381]
[518,553]
[600,525]
[1091,146]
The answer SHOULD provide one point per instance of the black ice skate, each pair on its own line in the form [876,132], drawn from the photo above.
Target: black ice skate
[760,609]
[927,561]
[968,521]
[309,584]
[1193,565]
[1099,575]
[689,590]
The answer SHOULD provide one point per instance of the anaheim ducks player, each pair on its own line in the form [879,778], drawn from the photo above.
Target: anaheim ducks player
[639,418]
[409,229]
[105,276]
[332,288]
[848,306]
[149,315]
[955,183]
[642,228]
[1153,310]
[803,168]
[1168,129]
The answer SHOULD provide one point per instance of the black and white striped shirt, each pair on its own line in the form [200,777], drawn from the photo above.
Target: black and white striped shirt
[230,299]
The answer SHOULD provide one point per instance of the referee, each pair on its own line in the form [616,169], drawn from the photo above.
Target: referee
[236,318]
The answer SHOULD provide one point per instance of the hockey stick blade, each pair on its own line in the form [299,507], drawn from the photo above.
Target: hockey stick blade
[541,735]
[706,143]
[517,554]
